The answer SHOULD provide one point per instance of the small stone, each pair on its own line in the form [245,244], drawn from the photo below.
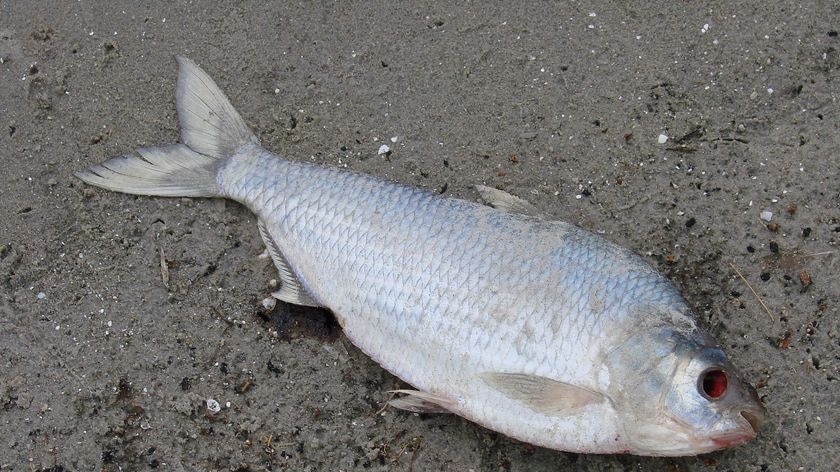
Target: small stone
[663,138]
[41,295]
[269,303]
[384,149]
[766,215]
[804,278]
[213,405]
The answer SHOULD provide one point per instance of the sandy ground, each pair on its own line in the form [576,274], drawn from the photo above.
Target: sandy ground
[106,362]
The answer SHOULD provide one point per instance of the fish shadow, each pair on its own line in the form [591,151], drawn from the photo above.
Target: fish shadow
[295,321]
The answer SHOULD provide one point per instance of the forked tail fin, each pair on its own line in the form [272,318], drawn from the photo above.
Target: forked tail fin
[211,131]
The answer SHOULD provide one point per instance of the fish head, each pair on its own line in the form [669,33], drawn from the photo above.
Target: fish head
[677,394]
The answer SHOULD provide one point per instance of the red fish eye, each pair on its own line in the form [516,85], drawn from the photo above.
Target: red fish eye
[713,384]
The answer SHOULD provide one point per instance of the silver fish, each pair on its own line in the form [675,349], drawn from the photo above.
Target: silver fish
[530,327]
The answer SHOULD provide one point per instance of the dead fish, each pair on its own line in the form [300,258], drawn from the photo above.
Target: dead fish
[531,327]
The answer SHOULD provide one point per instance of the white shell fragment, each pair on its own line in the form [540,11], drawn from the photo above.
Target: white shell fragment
[384,149]
[662,139]
[269,303]
[213,405]
[766,215]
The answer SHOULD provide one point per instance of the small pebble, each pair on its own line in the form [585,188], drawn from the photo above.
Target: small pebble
[766,215]
[41,295]
[384,149]
[213,405]
[804,278]
[269,303]
[662,139]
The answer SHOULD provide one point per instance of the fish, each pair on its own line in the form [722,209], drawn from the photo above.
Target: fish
[523,324]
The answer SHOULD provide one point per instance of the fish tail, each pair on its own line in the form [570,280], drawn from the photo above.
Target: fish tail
[211,131]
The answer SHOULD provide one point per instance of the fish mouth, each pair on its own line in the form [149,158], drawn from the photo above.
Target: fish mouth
[754,418]
[749,421]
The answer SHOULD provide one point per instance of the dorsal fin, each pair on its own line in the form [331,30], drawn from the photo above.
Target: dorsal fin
[291,290]
[547,396]
[501,200]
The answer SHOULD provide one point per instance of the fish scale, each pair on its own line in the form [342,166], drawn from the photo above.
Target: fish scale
[534,328]
[323,218]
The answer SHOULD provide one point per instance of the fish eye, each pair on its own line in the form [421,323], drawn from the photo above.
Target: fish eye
[712,383]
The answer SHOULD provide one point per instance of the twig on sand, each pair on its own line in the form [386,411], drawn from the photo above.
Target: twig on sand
[417,443]
[752,290]
[819,254]
[164,268]
[386,405]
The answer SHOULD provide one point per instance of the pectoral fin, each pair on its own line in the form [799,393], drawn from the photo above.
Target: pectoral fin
[291,290]
[421,402]
[547,396]
[501,200]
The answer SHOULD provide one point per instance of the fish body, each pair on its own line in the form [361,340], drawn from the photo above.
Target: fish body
[531,327]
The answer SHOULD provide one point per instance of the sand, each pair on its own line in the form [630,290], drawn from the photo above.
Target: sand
[667,127]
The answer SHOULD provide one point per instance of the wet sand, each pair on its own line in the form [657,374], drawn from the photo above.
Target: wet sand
[121,316]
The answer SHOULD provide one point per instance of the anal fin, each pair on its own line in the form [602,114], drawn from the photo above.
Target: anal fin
[291,290]
[421,402]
